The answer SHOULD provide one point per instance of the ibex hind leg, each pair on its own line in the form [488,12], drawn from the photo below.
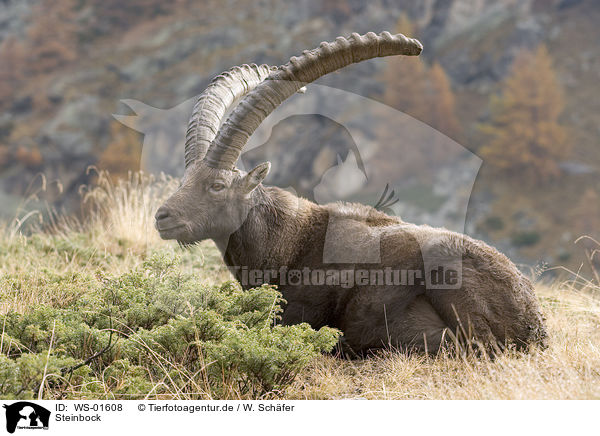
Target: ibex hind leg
[488,314]
[422,329]
[494,306]
[471,329]
[415,327]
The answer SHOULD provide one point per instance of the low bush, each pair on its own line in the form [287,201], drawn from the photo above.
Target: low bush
[154,331]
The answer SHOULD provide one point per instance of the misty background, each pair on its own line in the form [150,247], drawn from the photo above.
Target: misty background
[515,83]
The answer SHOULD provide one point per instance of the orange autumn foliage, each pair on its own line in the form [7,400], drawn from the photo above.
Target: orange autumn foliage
[526,138]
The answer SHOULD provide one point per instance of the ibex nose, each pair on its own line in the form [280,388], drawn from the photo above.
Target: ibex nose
[161,213]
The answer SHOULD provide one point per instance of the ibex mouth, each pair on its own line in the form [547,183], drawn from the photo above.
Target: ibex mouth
[167,232]
[166,229]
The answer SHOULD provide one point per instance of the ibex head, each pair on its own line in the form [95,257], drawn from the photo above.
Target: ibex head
[215,198]
[210,203]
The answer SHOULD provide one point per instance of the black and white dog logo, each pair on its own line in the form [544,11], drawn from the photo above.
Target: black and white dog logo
[26,415]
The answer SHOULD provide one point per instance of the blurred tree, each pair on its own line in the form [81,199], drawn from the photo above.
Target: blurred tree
[526,138]
[425,94]
[123,152]
[404,78]
[441,109]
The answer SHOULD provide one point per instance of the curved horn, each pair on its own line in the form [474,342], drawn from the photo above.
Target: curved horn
[289,78]
[216,100]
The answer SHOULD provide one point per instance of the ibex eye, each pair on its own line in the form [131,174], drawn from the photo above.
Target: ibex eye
[217,187]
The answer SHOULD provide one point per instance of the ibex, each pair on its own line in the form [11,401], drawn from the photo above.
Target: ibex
[395,297]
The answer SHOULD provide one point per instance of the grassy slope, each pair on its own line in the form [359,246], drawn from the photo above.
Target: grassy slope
[62,269]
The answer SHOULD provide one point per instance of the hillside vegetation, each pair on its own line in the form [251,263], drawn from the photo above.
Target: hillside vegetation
[101,308]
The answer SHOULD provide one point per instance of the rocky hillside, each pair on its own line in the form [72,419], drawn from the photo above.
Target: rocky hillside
[66,65]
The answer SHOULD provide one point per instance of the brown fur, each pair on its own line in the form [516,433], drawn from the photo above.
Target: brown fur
[495,303]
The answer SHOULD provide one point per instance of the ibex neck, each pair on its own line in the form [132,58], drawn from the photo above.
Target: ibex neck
[268,238]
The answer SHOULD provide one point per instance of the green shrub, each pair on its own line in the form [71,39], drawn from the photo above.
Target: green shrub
[22,377]
[169,334]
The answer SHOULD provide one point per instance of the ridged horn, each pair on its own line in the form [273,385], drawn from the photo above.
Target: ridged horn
[289,78]
[216,100]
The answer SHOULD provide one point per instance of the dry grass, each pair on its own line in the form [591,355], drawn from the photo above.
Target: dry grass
[124,210]
[119,233]
[115,236]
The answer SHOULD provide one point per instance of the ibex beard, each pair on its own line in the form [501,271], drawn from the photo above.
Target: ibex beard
[483,297]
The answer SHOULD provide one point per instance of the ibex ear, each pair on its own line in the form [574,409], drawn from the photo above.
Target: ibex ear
[256,176]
